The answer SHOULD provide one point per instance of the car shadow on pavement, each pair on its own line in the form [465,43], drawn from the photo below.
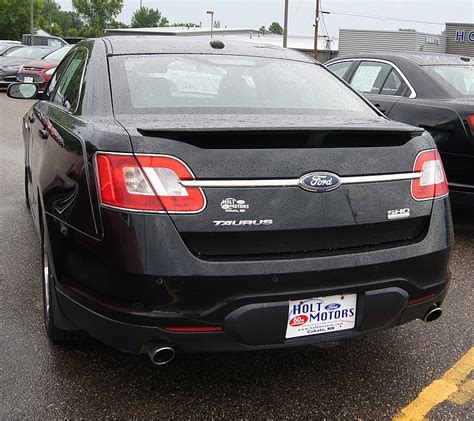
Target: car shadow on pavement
[238,383]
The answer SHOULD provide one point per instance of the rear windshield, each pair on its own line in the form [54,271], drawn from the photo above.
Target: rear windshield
[58,54]
[460,78]
[30,52]
[4,47]
[156,83]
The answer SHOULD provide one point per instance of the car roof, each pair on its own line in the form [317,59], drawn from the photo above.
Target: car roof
[421,59]
[155,44]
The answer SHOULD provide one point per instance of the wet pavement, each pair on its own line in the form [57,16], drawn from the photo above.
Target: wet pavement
[370,377]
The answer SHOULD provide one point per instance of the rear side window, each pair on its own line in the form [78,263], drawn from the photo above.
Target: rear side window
[394,85]
[340,69]
[370,77]
[69,86]
[156,83]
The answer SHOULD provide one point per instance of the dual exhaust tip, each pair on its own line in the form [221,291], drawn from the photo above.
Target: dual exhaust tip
[160,354]
[433,313]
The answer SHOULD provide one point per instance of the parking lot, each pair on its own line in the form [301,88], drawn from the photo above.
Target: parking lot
[370,377]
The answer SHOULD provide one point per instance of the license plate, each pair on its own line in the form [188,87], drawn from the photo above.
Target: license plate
[28,79]
[321,315]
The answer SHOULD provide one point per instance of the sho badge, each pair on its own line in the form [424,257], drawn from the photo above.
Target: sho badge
[249,222]
[233,205]
[398,213]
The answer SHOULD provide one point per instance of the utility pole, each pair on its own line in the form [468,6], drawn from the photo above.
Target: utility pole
[316,27]
[285,26]
[31,24]
[211,12]
[141,5]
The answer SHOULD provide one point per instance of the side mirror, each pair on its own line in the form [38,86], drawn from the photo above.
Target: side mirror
[22,90]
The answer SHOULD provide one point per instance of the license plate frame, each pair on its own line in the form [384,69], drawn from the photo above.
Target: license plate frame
[319,315]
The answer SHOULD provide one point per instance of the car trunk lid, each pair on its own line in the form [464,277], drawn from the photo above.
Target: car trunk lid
[250,169]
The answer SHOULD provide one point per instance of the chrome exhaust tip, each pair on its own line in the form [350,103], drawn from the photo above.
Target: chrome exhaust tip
[160,354]
[433,313]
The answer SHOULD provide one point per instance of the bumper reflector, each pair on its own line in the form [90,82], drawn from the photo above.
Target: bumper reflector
[194,329]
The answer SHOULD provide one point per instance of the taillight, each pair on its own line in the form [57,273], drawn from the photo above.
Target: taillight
[148,183]
[432,183]
[470,122]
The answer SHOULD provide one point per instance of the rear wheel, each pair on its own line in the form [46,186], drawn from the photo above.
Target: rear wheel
[54,333]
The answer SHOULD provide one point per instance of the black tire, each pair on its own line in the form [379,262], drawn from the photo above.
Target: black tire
[54,333]
[27,196]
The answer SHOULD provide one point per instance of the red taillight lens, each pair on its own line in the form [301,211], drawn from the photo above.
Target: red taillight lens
[148,183]
[432,183]
[202,329]
[470,122]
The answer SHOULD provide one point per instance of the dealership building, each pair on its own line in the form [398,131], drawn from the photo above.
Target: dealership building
[458,38]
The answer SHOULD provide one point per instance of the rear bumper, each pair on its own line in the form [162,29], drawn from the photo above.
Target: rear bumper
[258,326]
[247,300]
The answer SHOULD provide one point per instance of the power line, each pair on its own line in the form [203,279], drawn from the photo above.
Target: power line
[322,20]
[340,12]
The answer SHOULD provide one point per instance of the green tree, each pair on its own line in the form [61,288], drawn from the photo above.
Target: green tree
[15,17]
[98,13]
[90,32]
[275,28]
[72,32]
[69,21]
[117,24]
[185,24]
[58,22]
[263,30]
[148,18]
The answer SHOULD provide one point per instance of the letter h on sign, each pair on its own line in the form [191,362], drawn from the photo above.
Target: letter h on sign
[459,36]
[296,309]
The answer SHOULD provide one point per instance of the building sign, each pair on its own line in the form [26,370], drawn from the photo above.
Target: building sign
[432,40]
[461,36]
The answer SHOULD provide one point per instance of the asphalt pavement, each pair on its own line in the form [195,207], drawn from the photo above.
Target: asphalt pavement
[370,377]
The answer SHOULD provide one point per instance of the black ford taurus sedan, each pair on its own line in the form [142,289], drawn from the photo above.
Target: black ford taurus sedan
[432,91]
[196,195]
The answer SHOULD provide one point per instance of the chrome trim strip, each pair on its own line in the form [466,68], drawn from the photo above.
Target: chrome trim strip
[241,183]
[294,182]
[464,186]
[376,60]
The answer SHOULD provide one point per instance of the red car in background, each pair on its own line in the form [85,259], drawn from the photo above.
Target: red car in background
[40,71]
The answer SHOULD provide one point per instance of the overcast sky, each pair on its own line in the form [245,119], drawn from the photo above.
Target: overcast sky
[254,14]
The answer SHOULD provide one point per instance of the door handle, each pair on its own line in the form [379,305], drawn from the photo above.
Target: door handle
[44,134]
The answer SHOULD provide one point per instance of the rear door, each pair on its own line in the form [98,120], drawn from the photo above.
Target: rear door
[57,157]
[379,82]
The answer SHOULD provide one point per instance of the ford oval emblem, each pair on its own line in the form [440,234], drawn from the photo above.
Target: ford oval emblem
[333,306]
[320,181]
